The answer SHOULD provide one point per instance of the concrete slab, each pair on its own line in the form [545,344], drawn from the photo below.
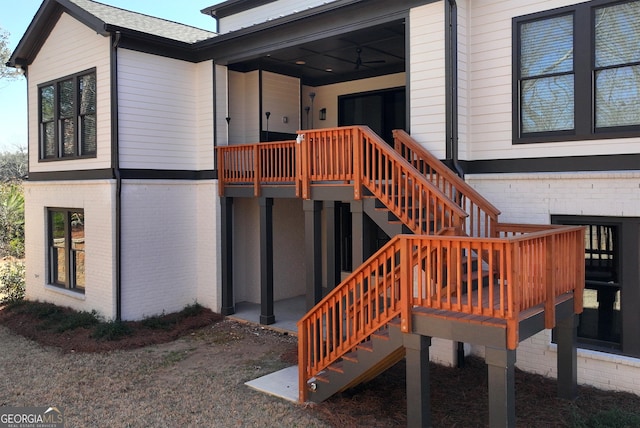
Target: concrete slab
[286,311]
[282,384]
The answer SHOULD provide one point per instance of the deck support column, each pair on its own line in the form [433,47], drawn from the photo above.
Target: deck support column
[566,334]
[502,397]
[266,261]
[226,219]
[357,233]
[313,250]
[333,263]
[418,381]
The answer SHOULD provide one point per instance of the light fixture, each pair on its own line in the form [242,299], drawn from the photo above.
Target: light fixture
[312,95]
[306,110]
[268,114]
[323,114]
[301,62]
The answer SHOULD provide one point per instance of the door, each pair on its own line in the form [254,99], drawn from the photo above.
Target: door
[382,111]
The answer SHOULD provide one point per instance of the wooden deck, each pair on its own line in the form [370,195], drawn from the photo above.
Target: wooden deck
[434,283]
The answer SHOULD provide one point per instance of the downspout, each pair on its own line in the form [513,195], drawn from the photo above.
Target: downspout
[115,167]
[451,52]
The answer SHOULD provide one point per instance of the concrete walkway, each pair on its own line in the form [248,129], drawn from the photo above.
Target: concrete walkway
[283,383]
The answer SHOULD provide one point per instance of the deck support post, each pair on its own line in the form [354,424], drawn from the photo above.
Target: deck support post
[566,334]
[333,263]
[418,382]
[226,219]
[313,250]
[357,233]
[502,397]
[266,261]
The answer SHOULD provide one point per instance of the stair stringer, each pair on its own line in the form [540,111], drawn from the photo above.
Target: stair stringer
[369,359]
[381,218]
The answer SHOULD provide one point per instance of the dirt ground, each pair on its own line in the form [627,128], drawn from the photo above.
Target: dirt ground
[206,360]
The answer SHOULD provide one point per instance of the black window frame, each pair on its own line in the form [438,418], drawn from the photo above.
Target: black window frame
[627,251]
[584,78]
[70,253]
[76,119]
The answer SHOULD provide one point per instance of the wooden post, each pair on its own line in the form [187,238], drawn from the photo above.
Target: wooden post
[418,382]
[256,171]
[303,358]
[549,278]
[356,142]
[406,285]
[502,396]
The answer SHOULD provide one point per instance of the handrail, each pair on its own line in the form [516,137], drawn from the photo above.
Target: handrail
[483,216]
[436,272]
[355,154]
[256,164]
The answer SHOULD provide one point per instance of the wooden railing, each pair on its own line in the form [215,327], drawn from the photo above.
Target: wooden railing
[483,216]
[353,156]
[257,164]
[438,272]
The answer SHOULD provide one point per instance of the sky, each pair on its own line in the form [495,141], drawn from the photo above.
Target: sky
[15,17]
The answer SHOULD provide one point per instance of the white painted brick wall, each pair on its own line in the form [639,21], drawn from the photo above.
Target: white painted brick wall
[97,200]
[160,251]
[533,198]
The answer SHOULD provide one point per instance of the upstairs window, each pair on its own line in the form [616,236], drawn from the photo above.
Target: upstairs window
[68,117]
[577,73]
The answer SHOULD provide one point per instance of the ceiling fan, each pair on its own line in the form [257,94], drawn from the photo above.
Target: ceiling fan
[360,62]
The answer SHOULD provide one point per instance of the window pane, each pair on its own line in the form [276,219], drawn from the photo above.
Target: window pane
[87,94]
[68,137]
[547,104]
[77,248]
[617,31]
[46,103]
[618,97]
[49,140]
[65,102]
[546,46]
[58,246]
[88,124]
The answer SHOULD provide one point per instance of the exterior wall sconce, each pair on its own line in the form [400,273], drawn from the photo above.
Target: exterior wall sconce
[323,114]
[312,95]
[306,110]
[268,113]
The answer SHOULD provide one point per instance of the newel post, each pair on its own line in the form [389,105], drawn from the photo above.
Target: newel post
[303,357]
[406,286]
[303,140]
[256,170]
[356,143]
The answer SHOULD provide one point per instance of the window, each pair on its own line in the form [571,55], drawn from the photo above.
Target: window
[577,73]
[612,283]
[66,248]
[68,117]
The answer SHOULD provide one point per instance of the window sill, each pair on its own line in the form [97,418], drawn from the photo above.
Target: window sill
[65,292]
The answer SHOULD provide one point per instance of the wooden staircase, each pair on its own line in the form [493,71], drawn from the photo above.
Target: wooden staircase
[459,265]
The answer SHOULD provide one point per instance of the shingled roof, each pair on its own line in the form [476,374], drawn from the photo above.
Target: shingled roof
[144,23]
[104,20]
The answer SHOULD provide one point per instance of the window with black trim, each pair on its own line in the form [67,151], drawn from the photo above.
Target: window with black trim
[67,248]
[612,283]
[577,72]
[67,113]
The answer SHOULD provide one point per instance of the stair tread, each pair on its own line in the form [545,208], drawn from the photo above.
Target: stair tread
[337,367]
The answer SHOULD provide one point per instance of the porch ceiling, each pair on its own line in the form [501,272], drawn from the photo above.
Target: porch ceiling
[335,59]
